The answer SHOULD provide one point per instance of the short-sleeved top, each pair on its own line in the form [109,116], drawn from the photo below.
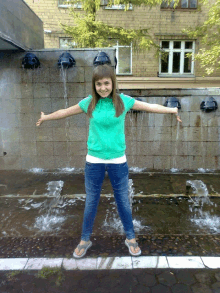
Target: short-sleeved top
[106,139]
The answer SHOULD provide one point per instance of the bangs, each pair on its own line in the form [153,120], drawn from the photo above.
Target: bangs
[103,71]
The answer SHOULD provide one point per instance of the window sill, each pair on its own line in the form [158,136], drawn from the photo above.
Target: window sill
[178,9]
[176,75]
[116,8]
[124,74]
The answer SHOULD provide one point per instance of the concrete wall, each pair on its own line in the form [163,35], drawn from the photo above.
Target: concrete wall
[25,93]
[154,141]
[20,25]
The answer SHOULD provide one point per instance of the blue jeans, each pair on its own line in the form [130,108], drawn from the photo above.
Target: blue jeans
[94,176]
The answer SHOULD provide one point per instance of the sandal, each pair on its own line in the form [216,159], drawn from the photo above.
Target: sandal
[135,245]
[85,246]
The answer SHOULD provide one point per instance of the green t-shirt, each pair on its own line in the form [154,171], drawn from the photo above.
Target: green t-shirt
[106,138]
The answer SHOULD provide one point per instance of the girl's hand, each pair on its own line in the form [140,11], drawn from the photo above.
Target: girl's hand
[177,117]
[41,120]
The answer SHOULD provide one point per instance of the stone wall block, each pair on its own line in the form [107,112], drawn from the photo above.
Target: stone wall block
[56,90]
[144,149]
[162,162]
[88,89]
[44,134]
[10,134]
[11,106]
[195,162]
[27,120]
[186,105]
[131,133]
[212,149]
[28,148]
[44,148]
[76,74]
[77,120]
[26,105]
[44,90]
[195,148]
[27,134]
[60,148]
[12,162]
[77,162]
[131,147]
[77,133]
[29,162]
[160,133]
[76,90]
[27,91]
[144,161]
[42,105]
[11,148]
[60,134]
[163,120]
[77,148]
[88,73]
[46,162]
[180,162]
[41,75]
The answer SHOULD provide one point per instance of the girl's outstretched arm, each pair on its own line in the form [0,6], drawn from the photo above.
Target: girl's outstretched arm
[63,113]
[155,108]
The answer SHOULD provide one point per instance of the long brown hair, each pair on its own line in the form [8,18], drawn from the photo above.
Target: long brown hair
[100,72]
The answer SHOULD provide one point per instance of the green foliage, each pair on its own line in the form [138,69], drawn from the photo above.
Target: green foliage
[209,33]
[47,272]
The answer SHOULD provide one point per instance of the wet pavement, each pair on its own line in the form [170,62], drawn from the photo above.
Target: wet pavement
[29,183]
[163,233]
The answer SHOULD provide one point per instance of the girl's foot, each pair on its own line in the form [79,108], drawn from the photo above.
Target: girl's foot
[81,250]
[133,250]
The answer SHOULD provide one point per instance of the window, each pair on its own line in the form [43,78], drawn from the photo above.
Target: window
[174,60]
[67,43]
[183,4]
[124,59]
[120,6]
[64,4]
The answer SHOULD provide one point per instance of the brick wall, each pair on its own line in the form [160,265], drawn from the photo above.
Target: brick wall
[162,24]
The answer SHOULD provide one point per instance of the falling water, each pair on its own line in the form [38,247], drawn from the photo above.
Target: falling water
[51,221]
[200,202]
[174,169]
[63,73]
[115,224]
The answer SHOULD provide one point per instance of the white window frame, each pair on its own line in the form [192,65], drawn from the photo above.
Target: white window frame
[119,7]
[79,5]
[182,50]
[67,47]
[117,46]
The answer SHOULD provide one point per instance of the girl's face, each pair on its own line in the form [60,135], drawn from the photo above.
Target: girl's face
[104,87]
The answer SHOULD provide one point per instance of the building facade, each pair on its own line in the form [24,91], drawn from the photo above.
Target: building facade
[135,69]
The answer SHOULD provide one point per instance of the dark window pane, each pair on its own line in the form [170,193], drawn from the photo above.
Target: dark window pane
[164,4]
[164,63]
[187,64]
[184,3]
[188,45]
[176,62]
[165,44]
[193,3]
[177,45]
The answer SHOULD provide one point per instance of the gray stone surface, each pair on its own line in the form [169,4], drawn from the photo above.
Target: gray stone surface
[20,27]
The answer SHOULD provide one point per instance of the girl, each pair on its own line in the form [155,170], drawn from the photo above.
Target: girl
[106,150]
